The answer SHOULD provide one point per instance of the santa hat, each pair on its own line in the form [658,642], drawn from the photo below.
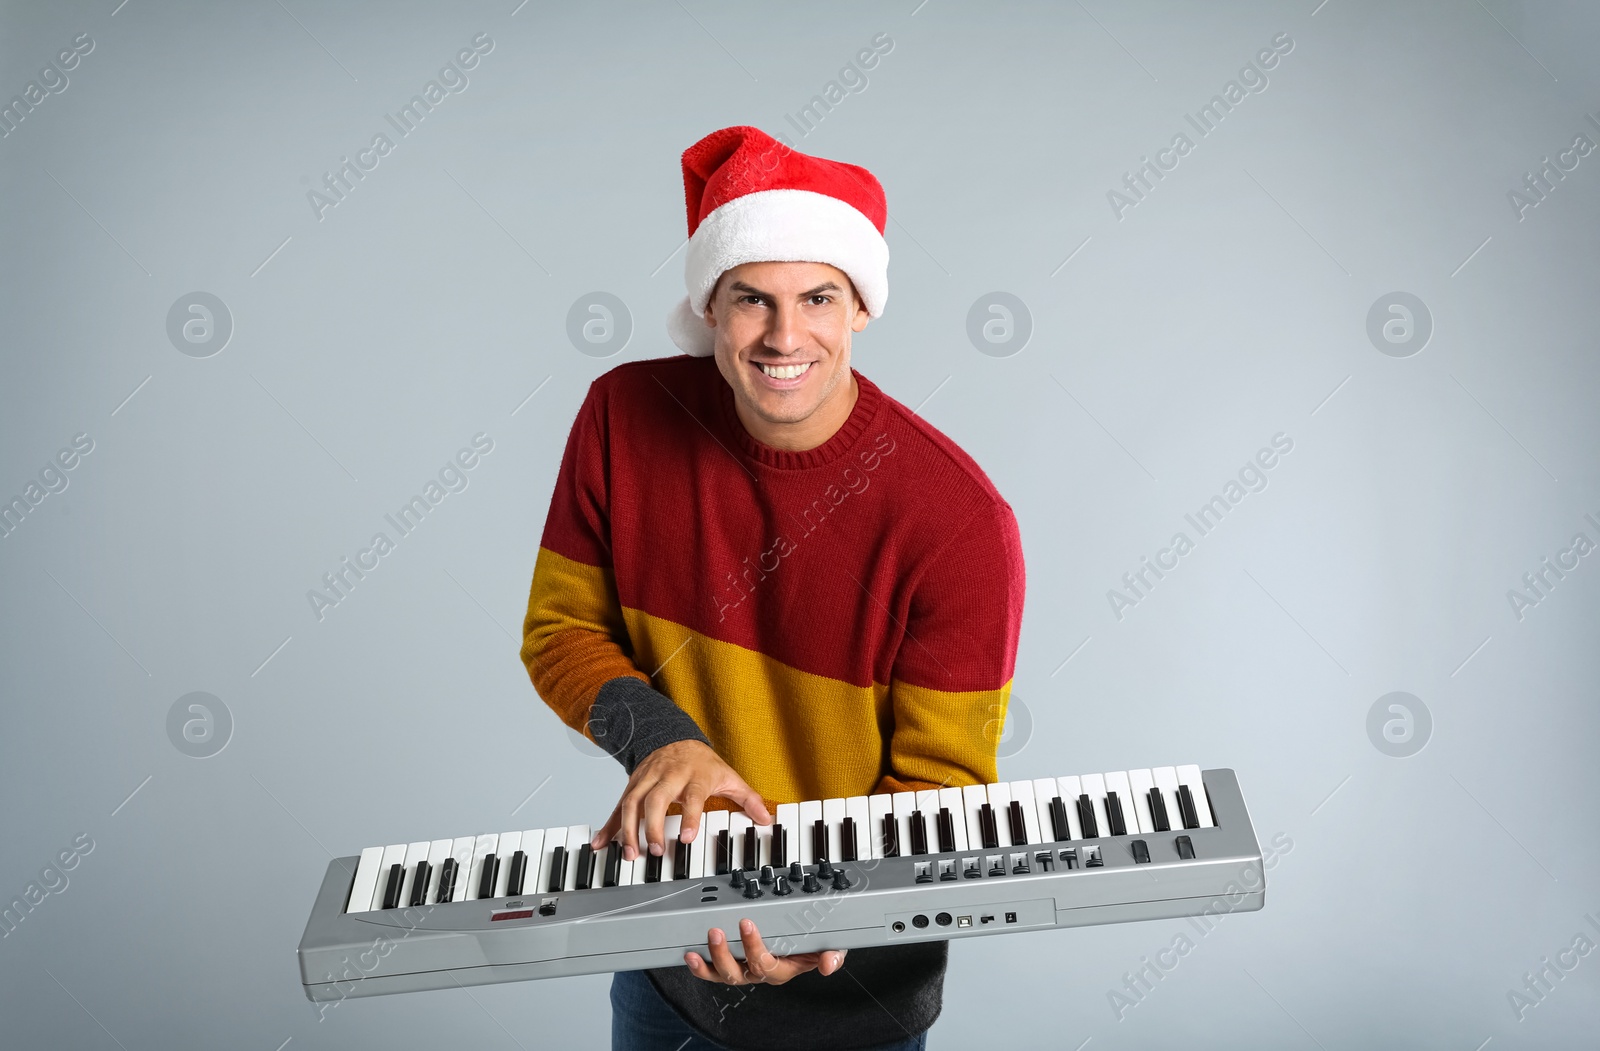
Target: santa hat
[753,199]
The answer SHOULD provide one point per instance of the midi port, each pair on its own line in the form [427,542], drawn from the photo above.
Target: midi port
[919,921]
[943,919]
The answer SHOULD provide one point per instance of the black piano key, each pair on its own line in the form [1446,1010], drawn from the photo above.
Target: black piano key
[891,836]
[986,827]
[1086,817]
[419,884]
[752,848]
[518,874]
[491,869]
[652,868]
[1119,827]
[819,840]
[680,859]
[447,881]
[391,890]
[1058,820]
[919,834]
[611,875]
[1158,810]
[1191,816]
[847,840]
[583,879]
[1019,824]
[780,846]
[947,830]
[724,853]
[558,870]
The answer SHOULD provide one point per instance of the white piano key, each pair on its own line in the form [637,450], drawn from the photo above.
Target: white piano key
[833,818]
[415,853]
[1117,781]
[577,836]
[481,850]
[951,797]
[1094,786]
[438,850]
[461,850]
[1140,782]
[879,806]
[904,804]
[1044,790]
[972,799]
[1000,802]
[1022,792]
[1071,787]
[362,891]
[1166,778]
[788,816]
[533,850]
[553,838]
[858,810]
[810,813]
[507,847]
[1190,775]
[763,845]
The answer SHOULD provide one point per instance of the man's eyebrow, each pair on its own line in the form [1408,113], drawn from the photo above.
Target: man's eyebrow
[826,286]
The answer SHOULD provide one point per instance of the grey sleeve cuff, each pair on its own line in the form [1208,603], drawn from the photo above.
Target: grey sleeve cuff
[631,719]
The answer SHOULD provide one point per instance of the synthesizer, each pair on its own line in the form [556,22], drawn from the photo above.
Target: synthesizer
[942,863]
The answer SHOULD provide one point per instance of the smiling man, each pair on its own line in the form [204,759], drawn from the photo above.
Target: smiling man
[763,580]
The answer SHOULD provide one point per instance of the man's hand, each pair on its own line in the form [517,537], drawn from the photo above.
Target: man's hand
[759,965]
[682,772]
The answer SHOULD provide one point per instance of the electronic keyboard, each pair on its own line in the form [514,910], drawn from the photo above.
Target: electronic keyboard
[826,874]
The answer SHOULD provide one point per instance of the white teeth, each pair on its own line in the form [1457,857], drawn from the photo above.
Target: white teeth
[785,372]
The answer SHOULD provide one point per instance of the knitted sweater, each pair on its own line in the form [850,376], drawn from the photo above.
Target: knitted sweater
[837,621]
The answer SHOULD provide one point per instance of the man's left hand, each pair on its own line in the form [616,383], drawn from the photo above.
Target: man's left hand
[759,965]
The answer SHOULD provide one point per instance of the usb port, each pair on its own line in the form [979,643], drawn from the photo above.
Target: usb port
[963,921]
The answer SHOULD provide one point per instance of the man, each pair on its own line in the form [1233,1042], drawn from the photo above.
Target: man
[764,580]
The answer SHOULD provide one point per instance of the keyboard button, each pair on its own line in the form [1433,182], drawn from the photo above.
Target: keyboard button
[713,837]
[1071,787]
[857,810]
[461,853]
[833,814]
[1139,785]
[973,799]
[1094,786]
[805,830]
[505,849]
[482,855]
[788,816]
[365,887]
[879,808]
[951,798]
[1022,795]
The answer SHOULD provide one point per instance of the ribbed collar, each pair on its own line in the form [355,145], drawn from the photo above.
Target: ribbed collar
[870,402]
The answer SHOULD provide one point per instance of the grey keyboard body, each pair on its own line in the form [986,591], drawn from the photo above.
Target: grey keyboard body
[477,942]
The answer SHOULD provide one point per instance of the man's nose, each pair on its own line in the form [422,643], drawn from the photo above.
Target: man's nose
[787,332]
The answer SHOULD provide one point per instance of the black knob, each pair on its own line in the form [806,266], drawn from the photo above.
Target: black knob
[796,873]
[781,886]
[752,889]
[825,869]
[766,873]
[738,879]
[840,880]
[811,886]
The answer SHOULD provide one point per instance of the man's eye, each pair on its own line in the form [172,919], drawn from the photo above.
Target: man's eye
[821,299]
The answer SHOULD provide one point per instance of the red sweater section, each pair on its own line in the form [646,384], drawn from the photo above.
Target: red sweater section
[883,554]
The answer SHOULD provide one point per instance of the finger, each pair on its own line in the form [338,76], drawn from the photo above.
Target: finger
[750,800]
[608,830]
[832,960]
[631,848]
[761,963]
[654,812]
[694,797]
[728,969]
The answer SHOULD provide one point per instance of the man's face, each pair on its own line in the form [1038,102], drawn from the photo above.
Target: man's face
[792,317]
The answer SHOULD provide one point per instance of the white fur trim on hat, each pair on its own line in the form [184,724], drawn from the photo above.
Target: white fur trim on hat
[777,226]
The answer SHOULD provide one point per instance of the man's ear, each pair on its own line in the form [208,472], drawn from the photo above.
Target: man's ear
[859,322]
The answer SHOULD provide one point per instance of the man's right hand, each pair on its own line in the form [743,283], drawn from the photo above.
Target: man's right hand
[685,772]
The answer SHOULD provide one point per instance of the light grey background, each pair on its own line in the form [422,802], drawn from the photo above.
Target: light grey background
[1167,346]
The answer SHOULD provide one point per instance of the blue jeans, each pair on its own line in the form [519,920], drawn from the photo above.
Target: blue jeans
[642,1021]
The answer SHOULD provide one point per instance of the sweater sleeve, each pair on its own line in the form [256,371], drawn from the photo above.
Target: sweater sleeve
[575,644]
[953,669]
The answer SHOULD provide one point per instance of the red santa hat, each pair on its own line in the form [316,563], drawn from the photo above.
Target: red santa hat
[752,199]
